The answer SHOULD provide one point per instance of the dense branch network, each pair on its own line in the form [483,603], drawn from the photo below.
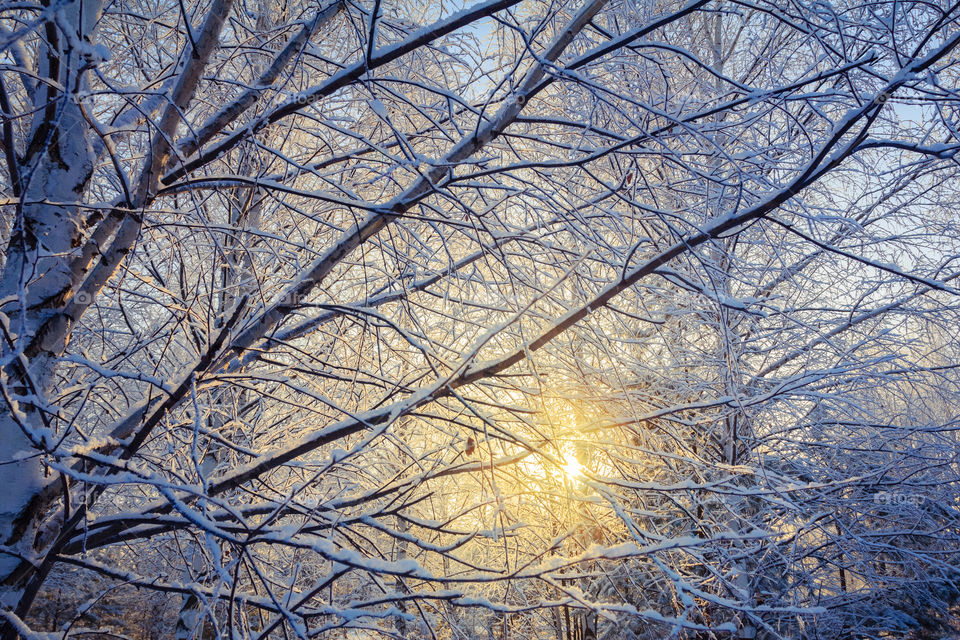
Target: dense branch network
[597,318]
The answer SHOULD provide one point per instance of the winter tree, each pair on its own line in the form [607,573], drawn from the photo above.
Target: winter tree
[512,319]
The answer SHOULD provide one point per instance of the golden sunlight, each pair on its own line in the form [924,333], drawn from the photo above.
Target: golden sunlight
[572,467]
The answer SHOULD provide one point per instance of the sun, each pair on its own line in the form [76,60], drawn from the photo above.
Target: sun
[572,467]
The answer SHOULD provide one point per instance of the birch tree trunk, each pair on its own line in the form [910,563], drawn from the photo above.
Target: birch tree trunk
[52,177]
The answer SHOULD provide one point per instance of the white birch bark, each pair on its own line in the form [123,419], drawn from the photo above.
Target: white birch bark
[54,174]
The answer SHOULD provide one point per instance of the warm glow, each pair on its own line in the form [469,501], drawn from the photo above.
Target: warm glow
[572,467]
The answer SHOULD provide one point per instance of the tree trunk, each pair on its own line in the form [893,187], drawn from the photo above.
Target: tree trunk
[52,177]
